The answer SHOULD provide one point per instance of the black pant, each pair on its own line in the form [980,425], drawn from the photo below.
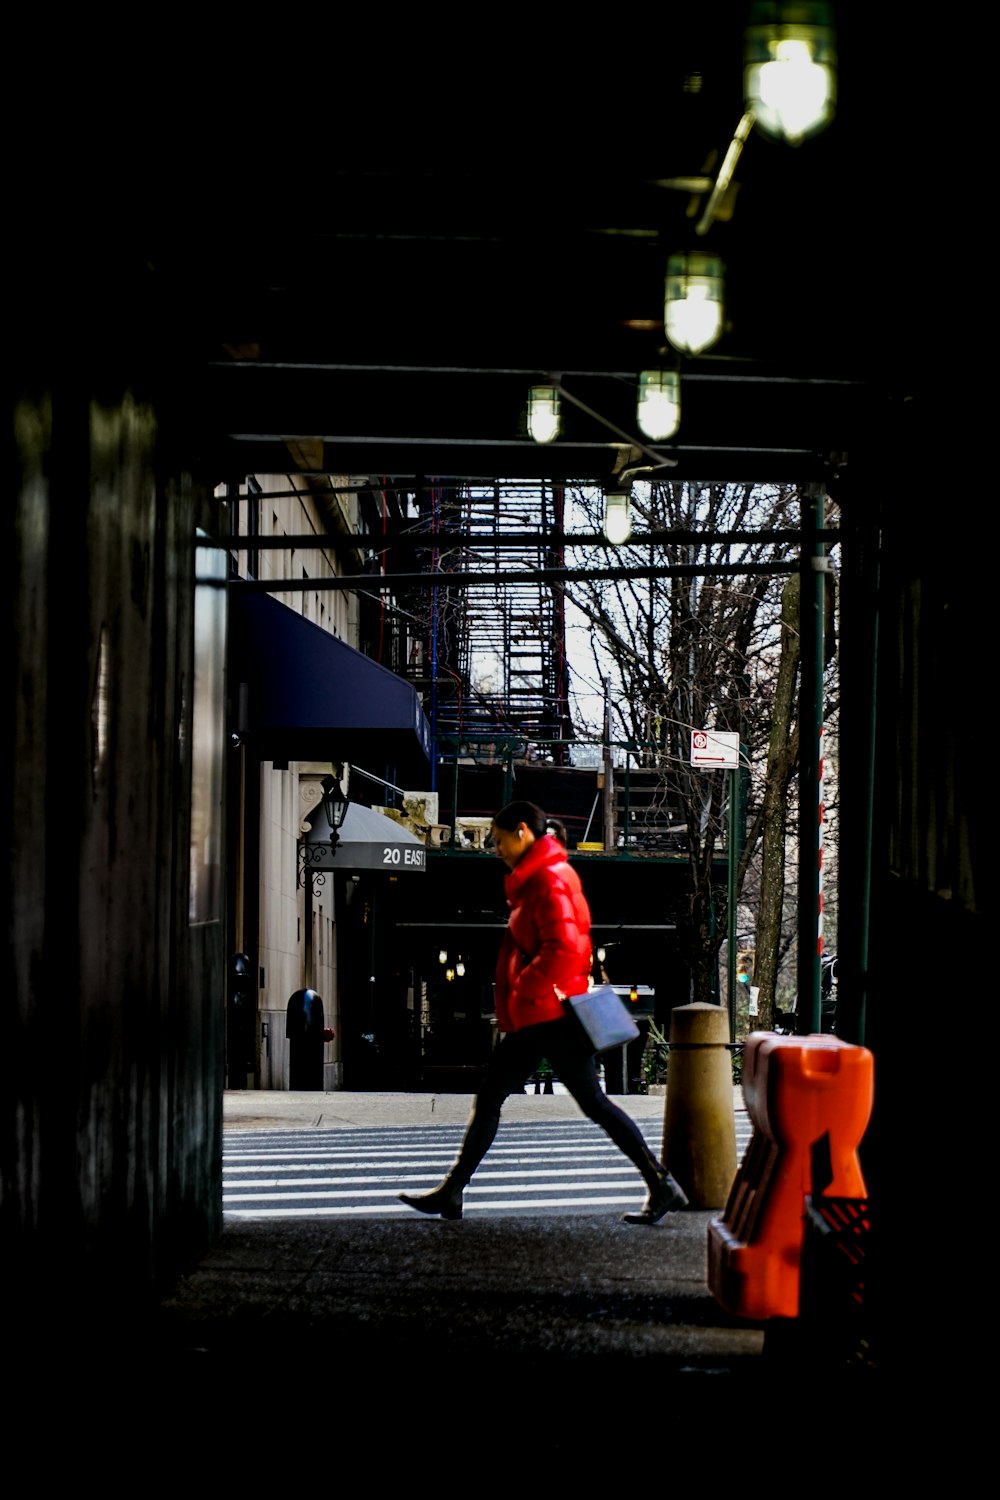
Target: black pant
[514,1059]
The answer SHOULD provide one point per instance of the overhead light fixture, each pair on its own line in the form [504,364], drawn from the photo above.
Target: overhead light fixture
[460,968]
[335,805]
[449,974]
[658,411]
[617,518]
[692,317]
[543,413]
[790,68]
[443,956]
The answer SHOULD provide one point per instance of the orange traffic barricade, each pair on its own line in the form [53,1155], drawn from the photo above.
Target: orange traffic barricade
[810,1100]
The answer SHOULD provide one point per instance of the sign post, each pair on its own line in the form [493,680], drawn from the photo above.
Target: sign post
[719,750]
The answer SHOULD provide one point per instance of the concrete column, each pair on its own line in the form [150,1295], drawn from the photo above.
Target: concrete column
[699,1132]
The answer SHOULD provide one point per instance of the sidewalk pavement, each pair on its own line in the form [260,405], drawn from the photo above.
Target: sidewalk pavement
[256,1109]
[554,1289]
[566,1303]
[534,1339]
[567,1300]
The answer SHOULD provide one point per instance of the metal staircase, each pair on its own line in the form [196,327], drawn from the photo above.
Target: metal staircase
[648,810]
[499,644]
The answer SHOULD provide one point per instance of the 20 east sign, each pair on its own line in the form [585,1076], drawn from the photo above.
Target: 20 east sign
[366,855]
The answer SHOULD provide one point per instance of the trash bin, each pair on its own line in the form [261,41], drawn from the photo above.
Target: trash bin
[239,1022]
[306,1038]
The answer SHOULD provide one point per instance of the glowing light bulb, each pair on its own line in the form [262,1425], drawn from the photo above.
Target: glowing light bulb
[692,316]
[617,520]
[658,411]
[543,413]
[790,69]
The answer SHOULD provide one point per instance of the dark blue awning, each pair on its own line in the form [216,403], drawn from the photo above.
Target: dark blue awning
[299,693]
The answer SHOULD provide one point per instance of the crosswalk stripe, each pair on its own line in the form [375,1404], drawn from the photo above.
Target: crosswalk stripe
[561,1166]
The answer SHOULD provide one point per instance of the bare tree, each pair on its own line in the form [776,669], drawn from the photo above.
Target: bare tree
[770,828]
[708,641]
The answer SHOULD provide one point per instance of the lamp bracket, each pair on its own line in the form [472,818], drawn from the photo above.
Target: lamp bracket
[309,856]
[626,476]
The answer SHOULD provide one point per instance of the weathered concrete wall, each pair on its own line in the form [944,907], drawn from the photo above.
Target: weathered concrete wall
[112,1003]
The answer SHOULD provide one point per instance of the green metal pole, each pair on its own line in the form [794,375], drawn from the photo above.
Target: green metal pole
[731,904]
[814,563]
[859,631]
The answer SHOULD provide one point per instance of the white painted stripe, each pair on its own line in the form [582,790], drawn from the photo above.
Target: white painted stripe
[628,1200]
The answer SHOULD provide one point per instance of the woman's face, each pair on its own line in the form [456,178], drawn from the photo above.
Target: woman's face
[510,844]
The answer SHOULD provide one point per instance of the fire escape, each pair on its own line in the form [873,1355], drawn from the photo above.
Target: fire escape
[497,641]
[483,639]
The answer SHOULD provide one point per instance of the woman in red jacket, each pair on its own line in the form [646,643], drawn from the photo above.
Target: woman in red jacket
[545,955]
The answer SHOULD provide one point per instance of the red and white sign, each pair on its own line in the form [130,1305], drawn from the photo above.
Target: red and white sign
[715,750]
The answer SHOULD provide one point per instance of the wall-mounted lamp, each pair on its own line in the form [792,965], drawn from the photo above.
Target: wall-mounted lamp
[335,805]
[790,68]
[543,413]
[692,317]
[658,410]
[617,519]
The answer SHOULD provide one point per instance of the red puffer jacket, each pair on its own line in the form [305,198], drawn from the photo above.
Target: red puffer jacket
[547,942]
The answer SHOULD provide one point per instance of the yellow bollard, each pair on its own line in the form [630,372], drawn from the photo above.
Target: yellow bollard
[699,1129]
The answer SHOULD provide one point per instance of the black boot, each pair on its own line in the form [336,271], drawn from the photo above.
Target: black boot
[667,1194]
[445,1200]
